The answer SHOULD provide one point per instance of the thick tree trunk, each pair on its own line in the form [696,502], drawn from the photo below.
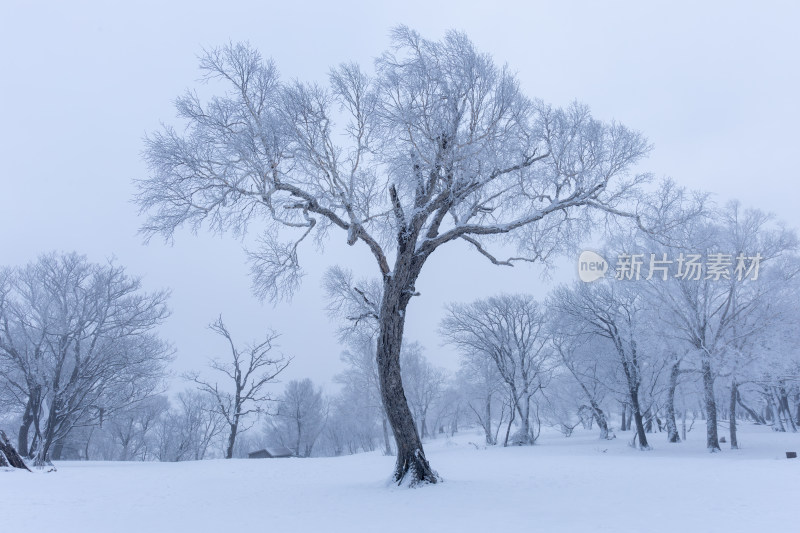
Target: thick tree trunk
[712,440]
[732,416]
[24,428]
[672,426]
[411,459]
[524,436]
[231,441]
[8,455]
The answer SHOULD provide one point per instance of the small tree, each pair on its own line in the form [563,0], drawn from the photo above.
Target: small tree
[248,371]
[300,418]
[439,146]
[424,384]
[510,331]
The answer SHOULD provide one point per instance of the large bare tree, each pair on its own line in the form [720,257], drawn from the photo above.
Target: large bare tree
[439,145]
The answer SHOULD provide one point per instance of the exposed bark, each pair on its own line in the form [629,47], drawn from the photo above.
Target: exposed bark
[631,370]
[9,455]
[672,426]
[600,417]
[638,420]
[232,439]
[712,439]
[411,459]
[24,428]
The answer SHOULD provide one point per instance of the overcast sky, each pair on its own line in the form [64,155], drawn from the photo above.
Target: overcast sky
[713,85]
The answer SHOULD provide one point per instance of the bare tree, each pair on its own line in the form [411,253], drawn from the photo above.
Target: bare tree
[300,417]
[132,428]
[713,315]
[424,384]
[589,370]
[77,342]
[481,384]
[510,331]
[438,146]
[188,430]
[248,371]
[611,313]
[361,378]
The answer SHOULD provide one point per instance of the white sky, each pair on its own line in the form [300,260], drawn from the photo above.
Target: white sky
[713,86]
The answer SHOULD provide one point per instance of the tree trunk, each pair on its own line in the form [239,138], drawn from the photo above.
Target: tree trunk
[512,415]
[776,411]
[784,402]
[672,425]
[712,440]
[638,420]
[623,425]
[732,416]
[411,459]
[24,428]
[523,436]
[757,418]
[600,417]
[231,441]
[8,455]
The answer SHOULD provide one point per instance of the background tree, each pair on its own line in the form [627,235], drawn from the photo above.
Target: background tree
[480,384]
[360,379]
[610,315]
[709,312]
[589,367]
[248,371]
[132,428]
[424,384]
[189,429]
[300,417]
[77,342]
[439,146]
[510,331]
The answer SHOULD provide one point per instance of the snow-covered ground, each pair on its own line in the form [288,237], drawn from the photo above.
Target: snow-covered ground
[575,484]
